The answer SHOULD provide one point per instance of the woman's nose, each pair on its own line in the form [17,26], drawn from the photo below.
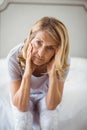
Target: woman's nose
[41,52]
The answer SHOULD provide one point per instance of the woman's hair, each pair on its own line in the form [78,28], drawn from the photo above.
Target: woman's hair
[57,30]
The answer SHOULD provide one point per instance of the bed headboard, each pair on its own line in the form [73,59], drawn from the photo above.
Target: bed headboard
[17,16]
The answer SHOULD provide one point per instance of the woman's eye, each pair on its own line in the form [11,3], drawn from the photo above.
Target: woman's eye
[38,43]
[50,48]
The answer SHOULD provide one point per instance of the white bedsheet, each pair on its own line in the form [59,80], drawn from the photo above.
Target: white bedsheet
[73,108]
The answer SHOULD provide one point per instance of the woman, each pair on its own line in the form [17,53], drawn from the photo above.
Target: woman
[38,68]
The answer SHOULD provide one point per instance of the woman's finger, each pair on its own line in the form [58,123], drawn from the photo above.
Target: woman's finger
[29,51]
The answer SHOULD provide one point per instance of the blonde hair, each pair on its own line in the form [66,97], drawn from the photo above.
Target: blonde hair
[59,33]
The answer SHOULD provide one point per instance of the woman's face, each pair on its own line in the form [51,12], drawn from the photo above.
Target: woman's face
[44,48]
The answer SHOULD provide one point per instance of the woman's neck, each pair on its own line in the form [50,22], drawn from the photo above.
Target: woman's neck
[40,70]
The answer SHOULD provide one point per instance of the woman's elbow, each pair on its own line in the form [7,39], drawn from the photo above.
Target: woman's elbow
[18,106]
[53,106]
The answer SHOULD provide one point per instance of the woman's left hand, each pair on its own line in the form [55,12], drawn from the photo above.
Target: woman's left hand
[51,67]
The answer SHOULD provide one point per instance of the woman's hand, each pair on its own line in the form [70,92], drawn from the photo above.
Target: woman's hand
[51,68]
[29,68]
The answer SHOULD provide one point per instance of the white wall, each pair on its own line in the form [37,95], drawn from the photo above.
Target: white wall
[17,18]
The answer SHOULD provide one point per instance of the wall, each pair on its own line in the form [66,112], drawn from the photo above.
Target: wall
[17,16]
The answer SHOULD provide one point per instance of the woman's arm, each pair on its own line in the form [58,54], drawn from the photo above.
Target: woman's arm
[20,90]
[55,92]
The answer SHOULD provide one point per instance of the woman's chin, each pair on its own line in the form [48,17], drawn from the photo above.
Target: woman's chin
[37,63]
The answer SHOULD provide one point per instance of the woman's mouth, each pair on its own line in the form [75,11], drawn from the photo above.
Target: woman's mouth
[37,60]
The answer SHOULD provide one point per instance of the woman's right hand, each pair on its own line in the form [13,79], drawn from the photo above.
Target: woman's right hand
[29,68]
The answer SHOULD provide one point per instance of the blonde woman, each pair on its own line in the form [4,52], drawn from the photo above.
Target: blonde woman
[38,68]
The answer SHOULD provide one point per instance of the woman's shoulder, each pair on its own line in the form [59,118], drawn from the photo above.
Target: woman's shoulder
[14,68]
[14,52]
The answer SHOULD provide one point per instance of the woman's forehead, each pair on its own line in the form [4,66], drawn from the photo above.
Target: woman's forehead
[44,37]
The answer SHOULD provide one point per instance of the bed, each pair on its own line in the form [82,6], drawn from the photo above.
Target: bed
[16,17]
[73,108]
